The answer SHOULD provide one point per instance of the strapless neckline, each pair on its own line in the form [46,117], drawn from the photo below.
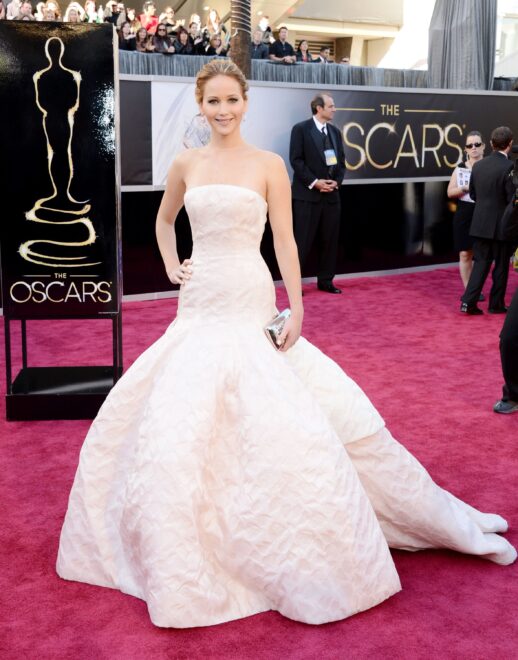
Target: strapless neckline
[228,185]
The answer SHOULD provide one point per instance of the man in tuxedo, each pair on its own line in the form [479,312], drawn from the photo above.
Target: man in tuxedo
[492,188]
[324,55]
[318,160]
[509,357]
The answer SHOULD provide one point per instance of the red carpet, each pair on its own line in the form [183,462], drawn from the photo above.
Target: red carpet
[433,374]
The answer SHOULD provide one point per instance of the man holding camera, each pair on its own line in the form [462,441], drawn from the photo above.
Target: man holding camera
[491,187]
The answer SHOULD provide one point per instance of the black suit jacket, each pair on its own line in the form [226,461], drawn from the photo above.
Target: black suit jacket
[308,160]
[492,189]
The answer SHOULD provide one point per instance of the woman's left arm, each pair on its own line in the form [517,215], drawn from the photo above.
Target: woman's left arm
[280,216]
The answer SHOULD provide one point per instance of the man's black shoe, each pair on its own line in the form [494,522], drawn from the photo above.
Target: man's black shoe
[497,310]
[505,407]
[471,310]
[328,288]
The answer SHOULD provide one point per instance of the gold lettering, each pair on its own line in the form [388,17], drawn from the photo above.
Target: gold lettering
[447,130]
[13,297]
[434,148]
[106,293]
[36,291]
[390,109]
[49,297]
[353,145]
[87,285]
[73,293]
[407,154]
[390,129]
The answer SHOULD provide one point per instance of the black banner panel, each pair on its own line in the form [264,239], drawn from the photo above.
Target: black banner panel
[60,237]
[135,128]
[409,135]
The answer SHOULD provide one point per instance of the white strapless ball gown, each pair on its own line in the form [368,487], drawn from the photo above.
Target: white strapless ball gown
[222,478]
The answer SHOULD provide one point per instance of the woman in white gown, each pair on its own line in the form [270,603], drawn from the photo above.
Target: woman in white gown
[221,477]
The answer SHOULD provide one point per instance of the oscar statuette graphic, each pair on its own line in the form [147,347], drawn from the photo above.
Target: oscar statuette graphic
[69,229]
[60,240]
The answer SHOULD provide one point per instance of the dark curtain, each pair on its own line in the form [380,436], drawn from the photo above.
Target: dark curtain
[461,51]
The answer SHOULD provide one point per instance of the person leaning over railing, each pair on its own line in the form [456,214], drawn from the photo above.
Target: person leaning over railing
[143,43]
[258,49]
[196,38]
[127,40]
[302,54]
[182,44]
[281,50]
[161,42]
[324,56]
[216,46]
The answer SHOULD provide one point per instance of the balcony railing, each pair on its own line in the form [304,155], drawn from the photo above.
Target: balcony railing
[151,64]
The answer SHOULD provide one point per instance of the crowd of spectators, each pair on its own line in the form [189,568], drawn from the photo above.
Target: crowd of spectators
[148,32]
[265,47]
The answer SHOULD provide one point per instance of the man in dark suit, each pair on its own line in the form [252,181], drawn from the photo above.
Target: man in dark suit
[318,160]
[492,189]
[324,55]
[509,356]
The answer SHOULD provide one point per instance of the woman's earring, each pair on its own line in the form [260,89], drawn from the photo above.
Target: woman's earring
[244,117]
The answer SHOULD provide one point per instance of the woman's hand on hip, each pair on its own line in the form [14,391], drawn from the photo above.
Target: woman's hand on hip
[181,274]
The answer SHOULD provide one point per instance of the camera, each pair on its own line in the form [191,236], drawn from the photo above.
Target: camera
[205,37]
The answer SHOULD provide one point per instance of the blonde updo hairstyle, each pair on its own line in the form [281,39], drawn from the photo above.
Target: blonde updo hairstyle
[219,68]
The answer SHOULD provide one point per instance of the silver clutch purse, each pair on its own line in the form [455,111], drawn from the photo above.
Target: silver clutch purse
[274,329]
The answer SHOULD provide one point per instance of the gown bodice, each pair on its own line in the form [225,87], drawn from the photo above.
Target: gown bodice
[230,277]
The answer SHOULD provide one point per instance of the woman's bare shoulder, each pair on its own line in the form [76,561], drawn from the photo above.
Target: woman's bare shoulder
[185,160]
[271,163]
[269,157]
[188,156]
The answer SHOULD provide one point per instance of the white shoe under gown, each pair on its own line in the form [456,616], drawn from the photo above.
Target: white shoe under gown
[222,478]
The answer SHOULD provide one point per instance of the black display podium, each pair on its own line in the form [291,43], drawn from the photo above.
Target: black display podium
[60,233]
[73,392]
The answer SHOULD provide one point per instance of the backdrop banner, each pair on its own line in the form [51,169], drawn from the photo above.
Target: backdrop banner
[390,135]
[60,230]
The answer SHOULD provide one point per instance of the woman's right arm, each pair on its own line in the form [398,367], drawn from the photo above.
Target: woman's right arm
[172,202]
